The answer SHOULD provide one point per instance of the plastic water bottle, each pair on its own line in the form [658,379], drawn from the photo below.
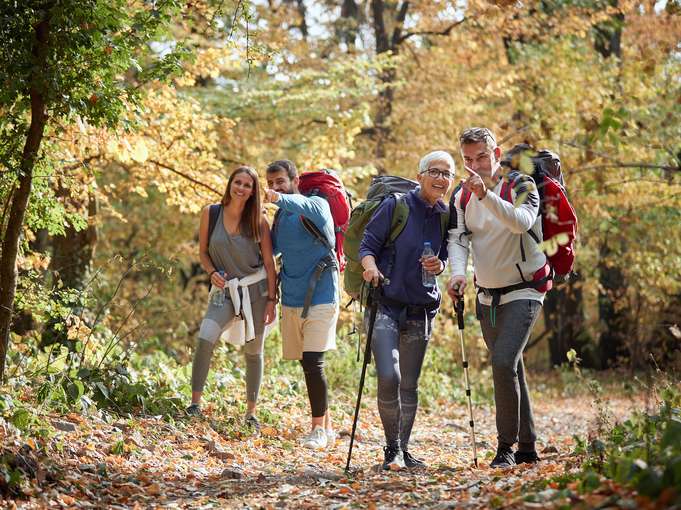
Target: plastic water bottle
[427,277]
[217,295]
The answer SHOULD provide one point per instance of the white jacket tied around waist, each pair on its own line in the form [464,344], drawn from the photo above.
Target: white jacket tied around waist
[241,329]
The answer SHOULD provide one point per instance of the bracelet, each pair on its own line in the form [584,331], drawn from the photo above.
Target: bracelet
[211,273]
[272,299]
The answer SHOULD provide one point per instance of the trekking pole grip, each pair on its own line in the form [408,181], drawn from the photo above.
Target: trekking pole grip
[459,310]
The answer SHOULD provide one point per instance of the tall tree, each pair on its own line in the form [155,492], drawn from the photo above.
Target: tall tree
[59,61]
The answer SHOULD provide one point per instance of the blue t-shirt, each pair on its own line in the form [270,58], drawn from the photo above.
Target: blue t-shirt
[300,251]
[423,224]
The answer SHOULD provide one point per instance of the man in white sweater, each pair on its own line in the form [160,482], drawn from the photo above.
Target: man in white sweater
[497,219]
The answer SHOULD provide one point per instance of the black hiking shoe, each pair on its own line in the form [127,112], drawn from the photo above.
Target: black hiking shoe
[526,457]
[193,410]
[252,423]
[392,458]
[503,459]
[411,462]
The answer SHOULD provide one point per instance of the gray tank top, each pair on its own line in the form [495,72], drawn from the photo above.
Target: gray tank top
[236,255]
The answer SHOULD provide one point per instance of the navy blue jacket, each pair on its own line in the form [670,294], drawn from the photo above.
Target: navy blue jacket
[423,224]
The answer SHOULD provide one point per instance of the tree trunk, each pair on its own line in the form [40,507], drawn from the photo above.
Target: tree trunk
[564,318]
[10,243]
[23,321]
[385,44]
[612,343]
[71,263]
[348,24]
[73,252]
[608,40]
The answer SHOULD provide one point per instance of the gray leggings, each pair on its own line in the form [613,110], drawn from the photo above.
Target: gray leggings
[213,324]
[506,341]
[399,357]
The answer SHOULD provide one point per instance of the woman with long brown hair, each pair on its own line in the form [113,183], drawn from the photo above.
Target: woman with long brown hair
[237,255]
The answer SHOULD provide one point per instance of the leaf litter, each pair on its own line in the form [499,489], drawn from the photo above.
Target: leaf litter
[146,462]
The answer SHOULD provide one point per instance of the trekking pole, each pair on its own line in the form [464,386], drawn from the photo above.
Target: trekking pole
[372,302]
[459,318]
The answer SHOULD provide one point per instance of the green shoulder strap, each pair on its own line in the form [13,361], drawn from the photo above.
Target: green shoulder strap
[399,219]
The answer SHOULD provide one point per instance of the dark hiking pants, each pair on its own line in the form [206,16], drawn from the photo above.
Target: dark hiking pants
[506,341]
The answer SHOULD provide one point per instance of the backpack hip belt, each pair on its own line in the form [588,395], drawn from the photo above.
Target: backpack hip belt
[496,293]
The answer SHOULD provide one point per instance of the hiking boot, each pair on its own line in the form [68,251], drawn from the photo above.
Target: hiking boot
[526,457]
[503,459]
[252,423]
[411,462]
[393,459]
[193,410]
[316,440]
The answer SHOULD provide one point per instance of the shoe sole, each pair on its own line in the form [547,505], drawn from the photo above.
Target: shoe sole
[396,466]
[312,446]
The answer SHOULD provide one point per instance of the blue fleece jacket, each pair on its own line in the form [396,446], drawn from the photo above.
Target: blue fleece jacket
[300,251]
[423,224]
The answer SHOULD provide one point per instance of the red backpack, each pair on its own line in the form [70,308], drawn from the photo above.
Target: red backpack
[326,184]
[559,220]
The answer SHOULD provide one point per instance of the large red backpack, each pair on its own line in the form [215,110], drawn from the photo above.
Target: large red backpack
[326,184]
[559,220]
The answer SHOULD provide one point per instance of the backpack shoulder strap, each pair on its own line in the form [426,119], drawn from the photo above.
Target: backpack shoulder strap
[213,217]
[316,233]
[275,221]
[465,198]
[399,218]
[444,224]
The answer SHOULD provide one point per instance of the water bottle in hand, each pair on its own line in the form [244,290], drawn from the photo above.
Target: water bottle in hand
[427,277]
[217,295]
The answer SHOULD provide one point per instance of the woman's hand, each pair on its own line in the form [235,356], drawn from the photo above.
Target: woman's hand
[217,280]
[432,264]
[270,312]
[372,275]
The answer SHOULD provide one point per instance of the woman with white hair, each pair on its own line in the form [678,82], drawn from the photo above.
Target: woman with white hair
[410,299]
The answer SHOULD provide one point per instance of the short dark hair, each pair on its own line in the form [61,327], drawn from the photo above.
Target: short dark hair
[477,135]
[283,164]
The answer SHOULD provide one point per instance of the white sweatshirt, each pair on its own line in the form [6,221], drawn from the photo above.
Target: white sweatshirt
[496,231]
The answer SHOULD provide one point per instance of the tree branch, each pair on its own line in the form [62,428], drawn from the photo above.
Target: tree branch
[182,174]
[640,166]
[399,23]
[379,27]
[443,32]
[537,340]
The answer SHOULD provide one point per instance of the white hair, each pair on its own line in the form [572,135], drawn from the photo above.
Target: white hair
[426,160]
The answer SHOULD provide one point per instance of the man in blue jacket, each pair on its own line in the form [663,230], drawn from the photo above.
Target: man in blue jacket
[309,286]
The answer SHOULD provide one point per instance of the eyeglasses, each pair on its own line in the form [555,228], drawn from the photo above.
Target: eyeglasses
[435,173]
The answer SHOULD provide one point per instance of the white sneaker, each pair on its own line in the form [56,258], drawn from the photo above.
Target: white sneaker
[316,440]
[331,437]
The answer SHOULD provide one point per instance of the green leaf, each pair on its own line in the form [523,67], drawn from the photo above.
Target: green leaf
[21,419]
[672,434]
[571,355]
[75,390]
[102,388]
